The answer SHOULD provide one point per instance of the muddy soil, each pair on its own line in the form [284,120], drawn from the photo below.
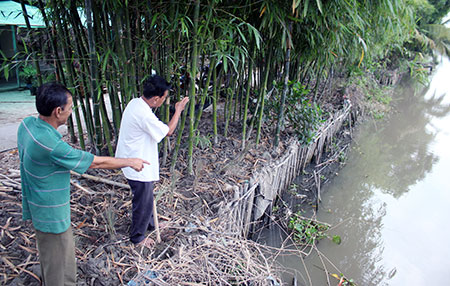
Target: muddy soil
[101,213]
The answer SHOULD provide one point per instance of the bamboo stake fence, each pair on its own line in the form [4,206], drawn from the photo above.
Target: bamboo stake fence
[253,198]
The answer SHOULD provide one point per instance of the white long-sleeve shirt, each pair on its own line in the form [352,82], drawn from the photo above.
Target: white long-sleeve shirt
[140,133]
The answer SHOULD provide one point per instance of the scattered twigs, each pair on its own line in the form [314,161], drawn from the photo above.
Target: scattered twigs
[9,179]
[10,264]
[306,270]
[101,180]
[13,173]
[317,181]
[31,274]
[329,261]
[204,249]
[324,266]
[9,182]
[334,158]
[76,185]
[213,259]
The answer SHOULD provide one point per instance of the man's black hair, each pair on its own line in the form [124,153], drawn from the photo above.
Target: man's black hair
[50,96]
[155,86]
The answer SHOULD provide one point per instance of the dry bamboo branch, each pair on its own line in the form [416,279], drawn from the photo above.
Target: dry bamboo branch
[80,187]
[155,217]
[101,180]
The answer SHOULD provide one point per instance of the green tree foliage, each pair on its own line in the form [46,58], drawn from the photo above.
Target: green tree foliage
[431,32]
[302,115]
[225,52]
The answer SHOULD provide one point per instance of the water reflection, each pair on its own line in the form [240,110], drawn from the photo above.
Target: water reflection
[390,202]
[386,195]
[399,156]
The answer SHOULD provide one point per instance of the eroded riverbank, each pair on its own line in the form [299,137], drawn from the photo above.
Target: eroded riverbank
[209,211]
[390,199]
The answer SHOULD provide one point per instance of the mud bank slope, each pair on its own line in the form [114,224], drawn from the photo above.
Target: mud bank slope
[209,214]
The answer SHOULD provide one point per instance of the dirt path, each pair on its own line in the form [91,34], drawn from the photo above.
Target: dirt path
[14,106]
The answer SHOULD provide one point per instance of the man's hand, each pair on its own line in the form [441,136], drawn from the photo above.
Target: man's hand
[137,164]
[180,105]
[104,162]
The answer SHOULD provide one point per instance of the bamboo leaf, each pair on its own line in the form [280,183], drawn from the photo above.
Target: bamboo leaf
[145,55]
[3,56]
[25,47]
[262,11]
[233,64]
[294,18]
[183,27]
[361,40]
[242,35]
[319,5]
[154,18]
[362,57]
[344,28]
[6,71]
[105,60]
[305,8]
[335,276]
[256,34]
[390,6]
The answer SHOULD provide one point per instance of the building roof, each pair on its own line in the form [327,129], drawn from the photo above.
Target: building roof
[11,14]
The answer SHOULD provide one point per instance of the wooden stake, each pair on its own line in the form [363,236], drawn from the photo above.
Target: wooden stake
[155,217]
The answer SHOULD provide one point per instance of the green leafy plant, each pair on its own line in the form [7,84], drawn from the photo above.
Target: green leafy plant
[28,73]
[417,71]
[292,189]
[203,142]
[275,209]
[336,239]
[308,231]
[302,115]
[342,157]
[343,281]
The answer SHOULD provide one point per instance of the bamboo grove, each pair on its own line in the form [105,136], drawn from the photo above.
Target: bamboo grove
[232,53]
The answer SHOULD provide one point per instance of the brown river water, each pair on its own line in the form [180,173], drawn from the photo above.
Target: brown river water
[391,202]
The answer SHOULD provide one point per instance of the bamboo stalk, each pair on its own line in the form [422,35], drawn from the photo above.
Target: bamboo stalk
[214,98]
[263,93]
[93,88]
[192,95]
[101,180]
[212,65]
[285,91]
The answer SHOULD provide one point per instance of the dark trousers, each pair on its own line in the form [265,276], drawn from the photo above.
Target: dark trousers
[142,217]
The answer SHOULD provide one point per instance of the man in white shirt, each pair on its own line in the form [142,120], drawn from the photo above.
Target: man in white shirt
[140,133]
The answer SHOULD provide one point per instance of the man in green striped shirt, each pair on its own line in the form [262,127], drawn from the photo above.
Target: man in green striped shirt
[45,165]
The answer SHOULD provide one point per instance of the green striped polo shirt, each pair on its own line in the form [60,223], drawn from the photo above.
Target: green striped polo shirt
[45,164]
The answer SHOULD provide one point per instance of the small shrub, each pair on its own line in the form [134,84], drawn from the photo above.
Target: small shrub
[301,114]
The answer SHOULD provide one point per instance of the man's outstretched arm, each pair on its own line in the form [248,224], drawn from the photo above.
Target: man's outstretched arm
[104,162]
